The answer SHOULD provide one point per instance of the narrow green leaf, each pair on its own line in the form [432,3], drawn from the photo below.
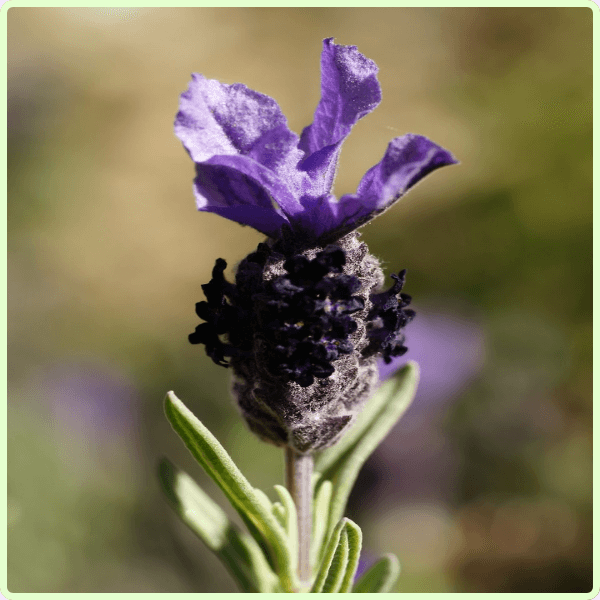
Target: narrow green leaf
[194,506]
[340,559]
[262,499]
[332,545]
[380,578]
[341,463]
[253,505]
[338,566]
[354,535]
[291,523]
[237,550]
[279,513]
[320,520]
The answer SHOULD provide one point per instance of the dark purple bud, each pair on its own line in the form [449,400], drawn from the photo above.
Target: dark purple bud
[303,333]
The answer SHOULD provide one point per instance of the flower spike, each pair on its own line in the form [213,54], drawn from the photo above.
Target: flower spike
[306,324]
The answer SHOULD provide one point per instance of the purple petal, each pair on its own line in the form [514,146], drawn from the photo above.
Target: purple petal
[349,91]
[275,149]
[266,190]
[217,119]
[406,161]
[320,220]
[231,191]
[243,151]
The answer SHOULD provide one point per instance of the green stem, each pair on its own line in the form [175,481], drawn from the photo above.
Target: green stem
[298,475]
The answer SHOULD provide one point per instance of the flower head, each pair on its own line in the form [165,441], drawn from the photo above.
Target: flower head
[306,322]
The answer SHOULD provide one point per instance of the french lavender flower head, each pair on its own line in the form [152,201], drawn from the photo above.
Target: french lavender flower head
[306,321]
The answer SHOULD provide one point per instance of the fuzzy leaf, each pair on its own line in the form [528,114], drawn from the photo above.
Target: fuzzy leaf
[291,523]
[320,520]
[337,568]
[238,551]
[340,559]
[279,513]
[380,578]
[341,463]
[354,535]
[253,505]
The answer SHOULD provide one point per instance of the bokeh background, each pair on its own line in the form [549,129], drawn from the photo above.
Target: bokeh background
[485,485]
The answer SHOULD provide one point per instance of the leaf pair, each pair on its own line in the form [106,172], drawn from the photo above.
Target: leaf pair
[266,560]
[340,560]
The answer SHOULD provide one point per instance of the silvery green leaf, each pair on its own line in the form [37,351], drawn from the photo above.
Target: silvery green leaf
[320,520]
[381,577]
[253,505]
[291,523]
[279,513]
[237,550]
[340,559]
[341,463]
[337,568]
[335,541]
[354,535]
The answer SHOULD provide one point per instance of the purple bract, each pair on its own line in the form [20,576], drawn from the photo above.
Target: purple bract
[252,169]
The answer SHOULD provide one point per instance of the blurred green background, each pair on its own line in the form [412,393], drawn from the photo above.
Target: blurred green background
[485,486]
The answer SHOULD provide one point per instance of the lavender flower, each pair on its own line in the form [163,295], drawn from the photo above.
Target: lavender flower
[305,322]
